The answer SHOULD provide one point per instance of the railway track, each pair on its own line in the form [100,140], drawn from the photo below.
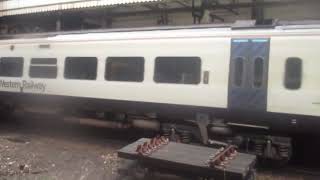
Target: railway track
[45,142]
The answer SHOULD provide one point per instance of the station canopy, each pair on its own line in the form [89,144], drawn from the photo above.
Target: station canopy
[19,7]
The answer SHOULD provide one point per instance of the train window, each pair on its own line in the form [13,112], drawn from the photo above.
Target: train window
[125,69]
[11,66]
[238,71]
[81,68]
[258,72]
[43,68]
[178,70]
[293,73]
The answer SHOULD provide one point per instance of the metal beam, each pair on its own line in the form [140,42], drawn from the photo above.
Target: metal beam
[183,4]
[153,8]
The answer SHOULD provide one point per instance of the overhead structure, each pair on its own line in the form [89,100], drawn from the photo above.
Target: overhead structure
[18,7]
[31,16]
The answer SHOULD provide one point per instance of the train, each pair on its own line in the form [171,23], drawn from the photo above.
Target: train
[253,87]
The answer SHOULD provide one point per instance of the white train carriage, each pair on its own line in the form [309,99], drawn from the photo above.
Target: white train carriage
[265,79]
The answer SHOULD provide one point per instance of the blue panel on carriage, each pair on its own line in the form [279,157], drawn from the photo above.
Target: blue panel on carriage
[248,78]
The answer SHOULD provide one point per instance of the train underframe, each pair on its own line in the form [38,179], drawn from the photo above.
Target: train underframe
[268,139]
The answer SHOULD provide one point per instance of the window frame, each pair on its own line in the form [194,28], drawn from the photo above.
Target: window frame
[234,82]
[110,59]
[262,72]
[71,58]
[297,85]
[199,79]
[21,72]
[43,62]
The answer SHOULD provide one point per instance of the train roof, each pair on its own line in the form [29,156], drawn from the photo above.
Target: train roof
[210,30]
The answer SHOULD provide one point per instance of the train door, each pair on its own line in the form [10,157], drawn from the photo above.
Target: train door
[248,74]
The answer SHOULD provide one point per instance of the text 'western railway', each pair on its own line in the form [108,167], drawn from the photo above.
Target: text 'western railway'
[23,85]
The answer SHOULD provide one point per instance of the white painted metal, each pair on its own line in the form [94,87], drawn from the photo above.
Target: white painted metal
[211,45]
[303,100]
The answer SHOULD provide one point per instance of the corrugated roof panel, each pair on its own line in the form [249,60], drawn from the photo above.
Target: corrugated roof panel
[16,7]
